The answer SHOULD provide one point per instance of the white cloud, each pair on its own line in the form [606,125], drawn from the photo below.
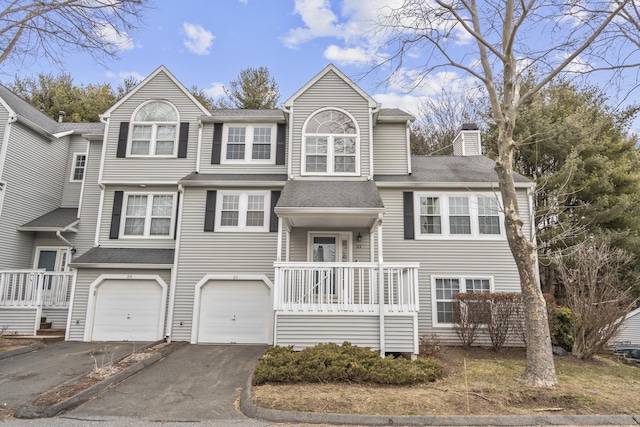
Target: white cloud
[123,75]
[216,90]
[577,66]
[112,36]
[348,56]
[198,39]
[319,20]
[408,103]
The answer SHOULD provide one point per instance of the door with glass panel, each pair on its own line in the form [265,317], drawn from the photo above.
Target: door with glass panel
[328,248]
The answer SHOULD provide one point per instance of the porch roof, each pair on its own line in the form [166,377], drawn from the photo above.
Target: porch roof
[330,203]
[60,219]
[125,258]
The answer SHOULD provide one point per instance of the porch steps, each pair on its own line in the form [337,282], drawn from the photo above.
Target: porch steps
[49,334]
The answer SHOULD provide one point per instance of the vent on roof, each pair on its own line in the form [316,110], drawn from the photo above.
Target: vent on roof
[469,126]
[61,115]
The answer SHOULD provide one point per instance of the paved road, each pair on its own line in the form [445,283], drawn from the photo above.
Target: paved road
[25,376]
[193,383]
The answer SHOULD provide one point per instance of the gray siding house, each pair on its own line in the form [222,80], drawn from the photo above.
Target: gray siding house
[306,224]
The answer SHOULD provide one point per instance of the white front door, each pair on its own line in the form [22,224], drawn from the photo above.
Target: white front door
[328,282]
[51,258]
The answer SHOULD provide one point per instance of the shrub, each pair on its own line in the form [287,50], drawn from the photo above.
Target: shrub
[345,363]
[561,321]
[468,314]
[429,346]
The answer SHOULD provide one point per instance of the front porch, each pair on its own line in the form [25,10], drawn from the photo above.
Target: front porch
[26,296]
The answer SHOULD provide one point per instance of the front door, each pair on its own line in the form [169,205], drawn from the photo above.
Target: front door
[51,259]
[329,248]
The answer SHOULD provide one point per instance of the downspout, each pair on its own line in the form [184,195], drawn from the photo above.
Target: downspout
[409,147]
[5,142]
[106,121]
[96,241]
[61,237]
[84,178]
[199,146]
[381,289]
[289,110]
[374,110]
[174,270]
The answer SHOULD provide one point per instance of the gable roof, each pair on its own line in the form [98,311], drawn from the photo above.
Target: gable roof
[332,68]
[61,219]
[26,112]
[150,77]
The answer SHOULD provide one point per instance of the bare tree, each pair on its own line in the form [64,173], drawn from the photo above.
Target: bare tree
[50,28]
[598,282]
[508,39]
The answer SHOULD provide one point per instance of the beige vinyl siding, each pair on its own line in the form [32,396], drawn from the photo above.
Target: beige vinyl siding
[331,91]
[90,202]
[201,253]
[152,169]
[71,193]
[248,168]
[629,332]
[444,258]
[57,317]
[84,279]
[34,171]
[133,242]
[303,331]
[20,321]
[390,149]
[472,144]
[398,334]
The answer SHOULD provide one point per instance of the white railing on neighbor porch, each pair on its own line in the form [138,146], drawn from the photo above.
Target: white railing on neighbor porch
[345,287]
[35,288]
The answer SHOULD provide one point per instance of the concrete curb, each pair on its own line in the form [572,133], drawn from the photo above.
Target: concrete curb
[29,410]
[273,415]
[22,350]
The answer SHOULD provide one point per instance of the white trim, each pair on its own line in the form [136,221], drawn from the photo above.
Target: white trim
[82,186]
[141,183]
[195,324]
[340,237]
[408,136]
[248,144]
[103,155]
[91,304]
[372,113]
[243,199]
[59,250]
[330,145]
[174,271]
[148,215]
[133,266]
[199,149]
[71,302]
[632,313]
[144,82]
[153,139]
[5,142]
[290,144]
[462,283]
[96,241]
[445,233]
[73,167]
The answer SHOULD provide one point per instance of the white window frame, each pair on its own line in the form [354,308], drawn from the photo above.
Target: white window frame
[74,167]
[154,132]
[463,287]
[62,257]
[344,243]
[242,211]
[148,217]
[445,229]
[330,146]
[248,143]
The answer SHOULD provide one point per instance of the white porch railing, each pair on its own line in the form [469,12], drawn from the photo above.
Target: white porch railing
[345,287]
[35,288]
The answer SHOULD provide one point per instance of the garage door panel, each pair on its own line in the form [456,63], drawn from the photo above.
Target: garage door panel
[128,310]
[234,312]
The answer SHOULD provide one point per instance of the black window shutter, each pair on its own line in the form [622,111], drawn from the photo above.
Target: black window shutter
[115,214]
[281,143]
[122,139]
[217,144]
[409,225]
[175,225]
[273,225]
[183,140]
[210,211]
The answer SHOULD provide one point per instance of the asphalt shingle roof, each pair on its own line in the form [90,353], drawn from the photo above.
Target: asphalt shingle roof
[27,111]
[330,194]
[57,218]
[126,256]
[199,177]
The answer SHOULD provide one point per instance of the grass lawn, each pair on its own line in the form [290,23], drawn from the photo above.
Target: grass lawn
[603,385]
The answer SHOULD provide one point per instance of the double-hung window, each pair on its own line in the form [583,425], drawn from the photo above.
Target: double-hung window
[457,215]
[444,290]
[154,130]
[330,144]
[148,215]
[79,164]
[249,143]
[243,211]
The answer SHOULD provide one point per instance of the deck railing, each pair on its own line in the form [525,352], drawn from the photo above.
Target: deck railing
[345,287]
[35,288]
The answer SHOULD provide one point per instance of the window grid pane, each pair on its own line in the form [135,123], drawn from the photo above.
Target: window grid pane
[230,211]
[78,171]
[445,290]
[316,163]
[345,164]
[488,215]
[255,211]
[262,135]
[261,152]
[459,219]
[430,221]
[477,285]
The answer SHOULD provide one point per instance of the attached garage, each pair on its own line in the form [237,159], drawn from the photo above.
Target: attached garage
[129,309]
[233,311]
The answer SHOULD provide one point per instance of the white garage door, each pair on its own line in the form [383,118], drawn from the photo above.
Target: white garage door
[128,310]
[234,312]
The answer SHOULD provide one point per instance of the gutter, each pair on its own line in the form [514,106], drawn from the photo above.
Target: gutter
[174,269]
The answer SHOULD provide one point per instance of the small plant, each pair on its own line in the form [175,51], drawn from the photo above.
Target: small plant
[429,346]
[468,314]
[342,363]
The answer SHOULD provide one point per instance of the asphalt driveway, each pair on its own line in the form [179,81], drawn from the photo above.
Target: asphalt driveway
[193,383]
[25,376]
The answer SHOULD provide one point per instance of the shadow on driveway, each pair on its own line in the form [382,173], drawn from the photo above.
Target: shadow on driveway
[195,382]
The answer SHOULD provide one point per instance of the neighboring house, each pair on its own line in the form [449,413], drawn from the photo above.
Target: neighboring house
[307,224]
[629,333]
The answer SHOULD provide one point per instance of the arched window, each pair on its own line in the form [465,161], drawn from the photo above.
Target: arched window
[330,144]
[154,130]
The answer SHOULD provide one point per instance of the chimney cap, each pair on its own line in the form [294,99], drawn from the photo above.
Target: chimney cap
[469,126]
[61,115]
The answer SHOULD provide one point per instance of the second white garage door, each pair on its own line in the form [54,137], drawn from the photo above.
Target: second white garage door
[128,310]
[234,312]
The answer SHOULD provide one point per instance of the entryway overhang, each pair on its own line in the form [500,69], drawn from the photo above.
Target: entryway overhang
[329,204]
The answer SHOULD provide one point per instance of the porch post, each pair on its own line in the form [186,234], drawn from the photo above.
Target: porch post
[381,289]
[279,253]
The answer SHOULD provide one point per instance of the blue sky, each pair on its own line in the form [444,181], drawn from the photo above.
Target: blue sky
[207,43]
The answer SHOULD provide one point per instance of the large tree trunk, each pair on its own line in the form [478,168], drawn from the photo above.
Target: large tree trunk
[540,371]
